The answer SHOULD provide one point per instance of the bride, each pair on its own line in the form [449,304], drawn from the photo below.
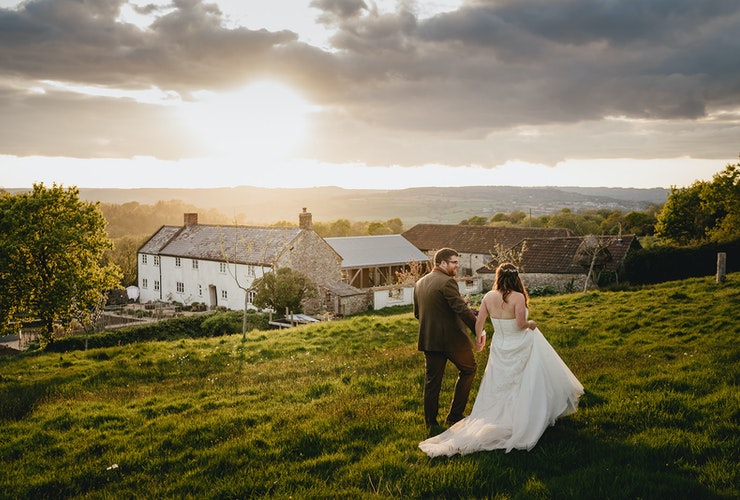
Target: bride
[525,386]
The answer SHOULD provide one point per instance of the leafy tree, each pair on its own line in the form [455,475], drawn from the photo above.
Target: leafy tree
[123,254]
[575,222]
[721,200]
[395,225]
[135,219]
[476,220]
[682,221]
[51,250]
[377,228]
[281,289]
[639,223]
[340,227]
[704,211]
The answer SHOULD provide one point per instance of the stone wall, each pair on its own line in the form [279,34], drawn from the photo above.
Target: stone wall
[563,283]
[354,304]
[311,255]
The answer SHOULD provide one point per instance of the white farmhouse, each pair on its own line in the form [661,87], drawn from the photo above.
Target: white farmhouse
[216,265]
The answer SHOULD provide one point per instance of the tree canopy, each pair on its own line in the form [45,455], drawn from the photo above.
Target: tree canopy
[704,211]
[281,289]
[51,249]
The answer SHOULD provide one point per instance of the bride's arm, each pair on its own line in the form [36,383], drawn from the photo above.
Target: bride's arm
[520,312]
[480,323]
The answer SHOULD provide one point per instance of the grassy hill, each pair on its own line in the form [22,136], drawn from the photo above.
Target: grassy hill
[334,410]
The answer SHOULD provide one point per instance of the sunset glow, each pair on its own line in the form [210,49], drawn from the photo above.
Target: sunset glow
[386,94]
[258,124]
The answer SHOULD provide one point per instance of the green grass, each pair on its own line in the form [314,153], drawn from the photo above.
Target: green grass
[334,410]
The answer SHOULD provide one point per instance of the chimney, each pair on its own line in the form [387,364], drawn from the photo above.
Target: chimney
[304,220]
[191,219]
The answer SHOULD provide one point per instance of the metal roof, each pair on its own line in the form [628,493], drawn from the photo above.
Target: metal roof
[385,250]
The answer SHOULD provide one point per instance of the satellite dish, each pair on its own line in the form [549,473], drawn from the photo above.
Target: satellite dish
[132,292]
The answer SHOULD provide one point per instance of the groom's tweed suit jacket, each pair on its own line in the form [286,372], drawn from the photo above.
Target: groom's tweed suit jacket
[442,314]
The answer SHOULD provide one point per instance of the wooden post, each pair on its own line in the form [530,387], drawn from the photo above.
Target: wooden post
[721,267]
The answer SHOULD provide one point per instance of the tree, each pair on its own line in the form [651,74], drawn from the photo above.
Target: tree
[704,211]
[395,225]
[579,224]
[377,228]
[721,200]
[283,289]
[51,250]
[681,221]
[476,220]
[258,251]
[123,254]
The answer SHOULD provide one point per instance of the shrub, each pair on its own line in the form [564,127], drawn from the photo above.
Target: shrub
[661,264]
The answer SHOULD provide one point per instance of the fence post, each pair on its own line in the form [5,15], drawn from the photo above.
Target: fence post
[721,267]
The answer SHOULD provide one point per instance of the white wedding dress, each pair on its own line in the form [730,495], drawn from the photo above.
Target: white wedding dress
[525,388]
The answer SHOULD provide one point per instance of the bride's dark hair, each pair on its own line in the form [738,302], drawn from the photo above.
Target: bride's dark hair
[508,280]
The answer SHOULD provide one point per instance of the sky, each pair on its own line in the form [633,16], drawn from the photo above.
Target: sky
[362,94]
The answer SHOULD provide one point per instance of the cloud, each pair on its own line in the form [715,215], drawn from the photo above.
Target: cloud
[491,81]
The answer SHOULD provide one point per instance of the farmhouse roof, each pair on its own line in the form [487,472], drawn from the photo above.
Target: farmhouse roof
[474,239]
[385,250]
[159,239]
[237,244]
[560,255]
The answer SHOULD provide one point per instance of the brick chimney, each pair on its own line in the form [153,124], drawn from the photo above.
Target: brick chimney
[191,219]
[304,220]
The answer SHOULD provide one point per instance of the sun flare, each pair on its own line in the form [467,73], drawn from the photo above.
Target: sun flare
[261,122]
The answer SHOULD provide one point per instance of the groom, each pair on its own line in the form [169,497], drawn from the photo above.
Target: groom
[443,317]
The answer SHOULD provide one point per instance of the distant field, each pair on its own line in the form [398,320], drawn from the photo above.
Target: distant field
[333,410]
[445,205]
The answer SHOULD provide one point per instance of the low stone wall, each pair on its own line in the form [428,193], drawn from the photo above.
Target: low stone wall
[563,283]
[354,304]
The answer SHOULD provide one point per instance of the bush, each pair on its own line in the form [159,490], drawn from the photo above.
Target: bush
[201,325]
[541,291]
[222,323]
[661,264]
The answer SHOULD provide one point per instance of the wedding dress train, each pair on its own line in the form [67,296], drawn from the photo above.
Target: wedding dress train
[525,388]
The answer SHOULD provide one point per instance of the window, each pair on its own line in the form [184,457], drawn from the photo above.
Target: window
[195,264]
[156,260]
[250,297]
[200,290]
[144,283]
[222,267]
[225,294]
[180,287]
[250,270]
[177,262]
[156,285]
[143,258]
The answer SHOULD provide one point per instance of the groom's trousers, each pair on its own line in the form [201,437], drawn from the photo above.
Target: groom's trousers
[435,368]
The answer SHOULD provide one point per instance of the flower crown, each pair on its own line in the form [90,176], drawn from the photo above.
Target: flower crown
[509,270]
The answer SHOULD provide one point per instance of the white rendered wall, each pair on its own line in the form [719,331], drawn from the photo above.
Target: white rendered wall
[198,282]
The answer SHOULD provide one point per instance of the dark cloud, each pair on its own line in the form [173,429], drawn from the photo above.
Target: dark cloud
[457,87]
[82,42]
[338,10]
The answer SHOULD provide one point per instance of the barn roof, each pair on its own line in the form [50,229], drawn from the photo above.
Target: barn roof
[560,255]
[385,250]
[475,239]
